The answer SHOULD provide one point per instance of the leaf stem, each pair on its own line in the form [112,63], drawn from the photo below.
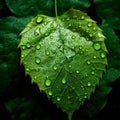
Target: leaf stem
[56,8]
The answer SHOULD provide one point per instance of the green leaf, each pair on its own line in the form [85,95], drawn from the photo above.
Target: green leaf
[65,56]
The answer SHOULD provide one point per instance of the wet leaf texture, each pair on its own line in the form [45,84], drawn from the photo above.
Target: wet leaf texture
[65,56]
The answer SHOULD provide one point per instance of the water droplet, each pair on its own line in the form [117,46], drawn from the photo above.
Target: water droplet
[47,33]
[77,71]
[103,55]
[82,17]
[37,60]
[47,53]
[50,93]
[88,84]
[39,19]
[90,34]
[58,99]
[94,57]
[73,36]
[37,32]
[85,96]
[92,72]
[68,19]
[51,36]
[55,68]
[38,47]
[23,47]
[80,47]
[22,56]
[47,82]
[88,62]
[69,66]
[69,25]
[89,24]
[27,69]
[97,46]
[28,45]
[64,81]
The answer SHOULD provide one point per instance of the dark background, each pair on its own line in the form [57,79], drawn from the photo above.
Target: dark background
[22,100]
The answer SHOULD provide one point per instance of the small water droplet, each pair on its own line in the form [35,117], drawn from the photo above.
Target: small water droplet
[28,45]
[67,19]
[27,69]
[55,68]
[69,25]
[88,62]
[90,34]
[23,47]
[47,82]
[37,32]
[47,33]
[89,24]
[97,46]
[58,99]
[103,55]
[39,19]
[47,53]
[73,36]
[64,81]
[94,57]
[37,60]
[82,17]
[51,36]
[92,72]
[50,93]
[77,71]
[85,96]
[22,56]
[88,84]
[69,66]
[38,47]
[80,47]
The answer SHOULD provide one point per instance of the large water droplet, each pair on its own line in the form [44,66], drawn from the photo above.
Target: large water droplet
[47,82]
[97,46]
[64,81]
[37,60]
[103,55]
[38,47]
[39,19]
[88,84]
[58,99]
[89,24]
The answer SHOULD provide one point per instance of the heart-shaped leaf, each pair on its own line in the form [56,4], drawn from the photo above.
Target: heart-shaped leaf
[65,56]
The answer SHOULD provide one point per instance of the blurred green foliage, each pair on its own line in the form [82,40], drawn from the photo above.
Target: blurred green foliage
[21,99]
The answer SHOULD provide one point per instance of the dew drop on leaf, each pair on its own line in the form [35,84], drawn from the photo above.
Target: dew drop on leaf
[38,47]
[103,55]
[28,45]
[92,72]
[50,93]
[73,36]
[36,32]
[39,19]
[58,99]
[64,81]
[82,17]
[77,71]
[88,84]
[97,46]
[88,62]
[37,60]
[47,53]
[47,82]
[89,24]
[55,68]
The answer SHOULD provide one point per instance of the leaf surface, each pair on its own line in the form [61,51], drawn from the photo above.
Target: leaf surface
[65,56]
